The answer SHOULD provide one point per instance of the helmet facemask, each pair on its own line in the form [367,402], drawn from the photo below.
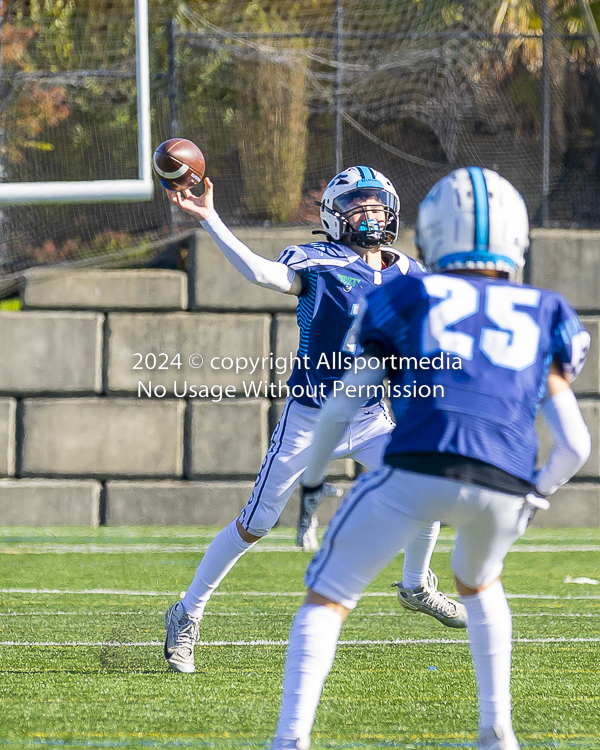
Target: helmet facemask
[368,217]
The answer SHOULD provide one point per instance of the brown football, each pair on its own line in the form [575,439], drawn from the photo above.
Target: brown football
[179,164]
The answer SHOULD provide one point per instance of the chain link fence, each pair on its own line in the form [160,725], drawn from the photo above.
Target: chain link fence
[280,97]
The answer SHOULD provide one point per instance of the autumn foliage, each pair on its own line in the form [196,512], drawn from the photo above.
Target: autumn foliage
[29,108]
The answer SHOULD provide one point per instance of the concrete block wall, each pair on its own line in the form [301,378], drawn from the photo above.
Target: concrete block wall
[50,352]
[75,421]
[568,261]
[83,442]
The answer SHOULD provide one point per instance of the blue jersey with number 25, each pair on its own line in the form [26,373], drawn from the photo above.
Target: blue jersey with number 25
[505,335]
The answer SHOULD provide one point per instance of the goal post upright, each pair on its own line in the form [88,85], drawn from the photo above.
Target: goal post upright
[103,191]
[143,94]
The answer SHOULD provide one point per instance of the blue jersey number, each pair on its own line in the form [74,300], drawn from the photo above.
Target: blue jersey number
[513,345]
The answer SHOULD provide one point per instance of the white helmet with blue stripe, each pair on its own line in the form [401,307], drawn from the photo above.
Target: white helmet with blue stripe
[346,196]
[473,219]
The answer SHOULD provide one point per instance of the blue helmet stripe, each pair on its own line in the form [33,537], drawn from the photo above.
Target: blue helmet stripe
[482,210]
[366,173]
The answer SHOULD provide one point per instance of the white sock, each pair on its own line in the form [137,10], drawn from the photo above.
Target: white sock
[313,642]
[220,557]
[417,557]
[490,636]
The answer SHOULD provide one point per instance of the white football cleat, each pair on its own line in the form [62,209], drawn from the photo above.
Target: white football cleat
[428,600]
[310,499]
[181,637]
[309,541]
[497,738]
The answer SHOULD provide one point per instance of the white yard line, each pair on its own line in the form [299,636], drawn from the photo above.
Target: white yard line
[60,548]
[166,594]
[554,614]
[514,614]
[552,596]
[115,592]
[555,548]
[389,642]
[256,614]
[122,549]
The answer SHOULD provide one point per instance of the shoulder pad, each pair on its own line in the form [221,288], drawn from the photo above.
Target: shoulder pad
[317,256]
[406,265]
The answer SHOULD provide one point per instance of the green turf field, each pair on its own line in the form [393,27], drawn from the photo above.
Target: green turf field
[81,634]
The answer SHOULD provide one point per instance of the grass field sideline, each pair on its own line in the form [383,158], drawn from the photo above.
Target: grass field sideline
[81,634]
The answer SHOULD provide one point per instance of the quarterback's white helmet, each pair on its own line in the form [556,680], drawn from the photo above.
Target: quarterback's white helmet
[345,197]
[475,219]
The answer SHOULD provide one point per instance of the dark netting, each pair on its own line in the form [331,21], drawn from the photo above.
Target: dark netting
[279,96]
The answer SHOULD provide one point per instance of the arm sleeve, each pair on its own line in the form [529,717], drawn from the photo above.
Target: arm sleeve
[571,438]
[570,340]
[261,271]
[338,412]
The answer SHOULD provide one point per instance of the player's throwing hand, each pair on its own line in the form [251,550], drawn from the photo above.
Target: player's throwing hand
[200,207]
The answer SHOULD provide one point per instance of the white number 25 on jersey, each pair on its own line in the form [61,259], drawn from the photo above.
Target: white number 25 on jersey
[514,344]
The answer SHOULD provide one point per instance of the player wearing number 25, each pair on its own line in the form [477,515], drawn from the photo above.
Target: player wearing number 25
[359,214]
[467,458]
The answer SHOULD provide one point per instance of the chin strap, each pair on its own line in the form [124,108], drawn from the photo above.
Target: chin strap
[366,242]
[369,234]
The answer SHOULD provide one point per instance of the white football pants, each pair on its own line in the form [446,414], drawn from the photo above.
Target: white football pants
[385,510]
[365,441]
